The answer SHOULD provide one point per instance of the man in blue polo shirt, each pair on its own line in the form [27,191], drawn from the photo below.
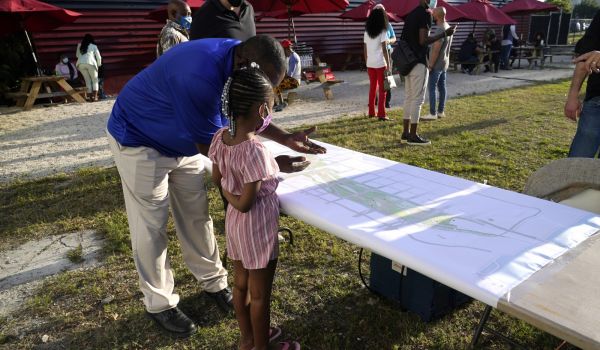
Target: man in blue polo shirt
[163,119]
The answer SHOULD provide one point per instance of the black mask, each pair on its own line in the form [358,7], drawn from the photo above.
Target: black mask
[235,3]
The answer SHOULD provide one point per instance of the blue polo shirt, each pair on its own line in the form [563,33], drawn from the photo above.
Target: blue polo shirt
[176,101]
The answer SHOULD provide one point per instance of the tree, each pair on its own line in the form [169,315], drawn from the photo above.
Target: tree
[586,9]
[565,5]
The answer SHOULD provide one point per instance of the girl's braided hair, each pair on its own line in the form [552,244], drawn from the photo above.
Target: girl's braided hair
[245,87]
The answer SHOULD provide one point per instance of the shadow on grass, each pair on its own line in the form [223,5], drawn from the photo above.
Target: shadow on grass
[457,129]
[71,201]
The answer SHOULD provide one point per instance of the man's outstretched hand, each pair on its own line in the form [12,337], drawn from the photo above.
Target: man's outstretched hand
[289,164]
[299,142]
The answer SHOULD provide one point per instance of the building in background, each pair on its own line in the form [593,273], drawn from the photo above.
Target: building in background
[128,40]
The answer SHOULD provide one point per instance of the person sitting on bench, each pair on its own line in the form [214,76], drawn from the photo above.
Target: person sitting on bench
[469,54]
[292,76]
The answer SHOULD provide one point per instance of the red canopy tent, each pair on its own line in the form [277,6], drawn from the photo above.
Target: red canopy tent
[160,14]
[34,16]
[525,7]
[293,8]
[403,8]
[362,12]
[484,11]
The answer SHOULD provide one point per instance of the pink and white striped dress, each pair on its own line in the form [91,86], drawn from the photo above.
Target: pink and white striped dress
[251,236]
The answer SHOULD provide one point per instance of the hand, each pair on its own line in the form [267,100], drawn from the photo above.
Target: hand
[450,31]
[289,164]
[592,61]
[572,108]
[299,142]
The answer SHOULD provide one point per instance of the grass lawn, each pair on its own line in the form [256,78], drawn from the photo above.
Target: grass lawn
[318,299]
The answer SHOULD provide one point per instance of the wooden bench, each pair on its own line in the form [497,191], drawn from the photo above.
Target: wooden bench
[454,62]
[560,50]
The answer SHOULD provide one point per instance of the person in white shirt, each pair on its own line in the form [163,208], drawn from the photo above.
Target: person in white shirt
[509,35]
[88,62]
[377,58]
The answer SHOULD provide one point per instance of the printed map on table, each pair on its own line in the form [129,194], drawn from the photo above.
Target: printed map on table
[475,238]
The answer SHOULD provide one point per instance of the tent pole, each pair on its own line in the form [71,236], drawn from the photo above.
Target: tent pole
[37,66]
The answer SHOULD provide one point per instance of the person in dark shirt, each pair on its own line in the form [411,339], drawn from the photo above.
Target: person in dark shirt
[224,19]
[469,53]
[416,33]
[586,142]
[494,45]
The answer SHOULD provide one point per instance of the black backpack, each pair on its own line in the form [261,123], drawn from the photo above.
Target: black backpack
[404,58]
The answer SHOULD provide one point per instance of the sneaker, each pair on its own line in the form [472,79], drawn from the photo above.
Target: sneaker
[429,117]
[175,322]
[223,298]
[384,119]
[441,115]
[387,105]
[418,141]
[404,138]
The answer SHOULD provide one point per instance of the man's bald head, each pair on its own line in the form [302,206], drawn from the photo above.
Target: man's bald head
[266,52]
[177,8]
[439,13]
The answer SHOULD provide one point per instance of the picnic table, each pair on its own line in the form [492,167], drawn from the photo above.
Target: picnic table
[31,86]
[455,61]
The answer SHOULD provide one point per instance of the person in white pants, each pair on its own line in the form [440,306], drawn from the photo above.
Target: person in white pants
[88,62]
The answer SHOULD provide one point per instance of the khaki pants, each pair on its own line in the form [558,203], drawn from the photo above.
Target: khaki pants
[151,182]
[414,92]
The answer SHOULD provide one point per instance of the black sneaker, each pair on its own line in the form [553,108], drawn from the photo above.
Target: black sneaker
[404,138]
[418,141]
[174,321]
[223,298]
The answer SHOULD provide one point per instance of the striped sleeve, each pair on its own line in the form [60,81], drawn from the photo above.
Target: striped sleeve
[257,165]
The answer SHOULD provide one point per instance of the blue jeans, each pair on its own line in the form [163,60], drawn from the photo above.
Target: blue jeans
[437,79]
[586,142]
[505,55]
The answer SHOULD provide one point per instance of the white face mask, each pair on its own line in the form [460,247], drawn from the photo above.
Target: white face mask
[432,4]
[65,60]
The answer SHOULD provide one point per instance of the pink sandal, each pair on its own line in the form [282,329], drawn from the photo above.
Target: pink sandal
[274,333]
[289,345]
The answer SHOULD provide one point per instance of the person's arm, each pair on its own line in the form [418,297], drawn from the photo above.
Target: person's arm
[297,141]
[386,55]
[434,54]
[591,61]
[392,37]
[98,57]
[513,32]
[203,149]
[245,201]
[78,52]
[365,52]
[425,40]
[573,104]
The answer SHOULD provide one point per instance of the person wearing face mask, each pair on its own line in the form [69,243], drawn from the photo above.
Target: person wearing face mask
[177,27]
[224,19]
[67,70]
[161,123]
[245,172]
[416,33]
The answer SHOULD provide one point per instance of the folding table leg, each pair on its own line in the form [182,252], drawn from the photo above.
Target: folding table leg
[480,326]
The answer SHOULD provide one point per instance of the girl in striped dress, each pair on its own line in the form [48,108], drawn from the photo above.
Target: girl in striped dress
[245,172]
